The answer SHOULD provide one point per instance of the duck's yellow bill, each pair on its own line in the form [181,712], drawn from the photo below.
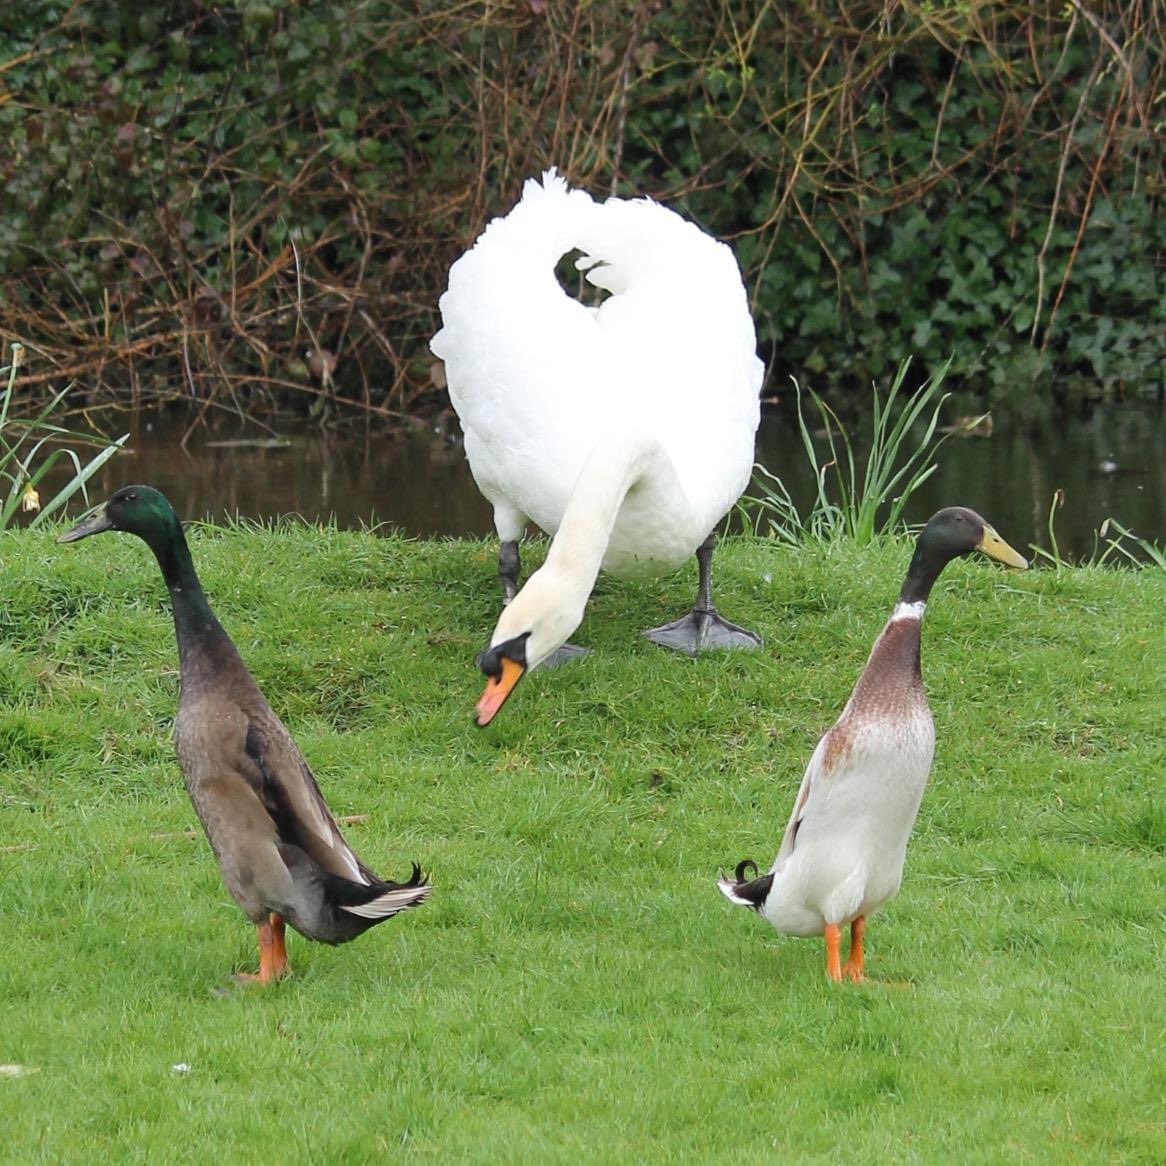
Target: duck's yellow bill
[498,688]
[996,548]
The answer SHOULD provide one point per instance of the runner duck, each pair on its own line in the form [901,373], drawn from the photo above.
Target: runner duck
[280,850]
[626,430]
[842,854]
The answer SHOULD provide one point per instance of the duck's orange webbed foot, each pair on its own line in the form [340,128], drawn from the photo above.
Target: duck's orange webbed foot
[853,969]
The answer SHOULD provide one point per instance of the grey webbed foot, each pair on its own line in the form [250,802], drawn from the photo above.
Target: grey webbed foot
[702,628]
[698,630]
[564,654]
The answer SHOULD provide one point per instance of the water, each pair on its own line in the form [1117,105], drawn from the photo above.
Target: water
[1108,460]
[415,481]
[418,481]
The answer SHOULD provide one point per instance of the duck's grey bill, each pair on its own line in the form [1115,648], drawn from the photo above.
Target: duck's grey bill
[93,523]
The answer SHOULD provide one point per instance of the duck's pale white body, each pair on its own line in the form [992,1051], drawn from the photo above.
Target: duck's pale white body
[654,393]
[842,854]
[843,851]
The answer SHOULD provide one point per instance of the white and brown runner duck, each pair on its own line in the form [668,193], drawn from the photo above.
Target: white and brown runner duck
[842,854]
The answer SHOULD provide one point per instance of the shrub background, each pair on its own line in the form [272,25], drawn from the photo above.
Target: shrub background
[217,201]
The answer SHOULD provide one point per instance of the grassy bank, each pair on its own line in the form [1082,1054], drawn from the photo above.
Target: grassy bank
[576,989]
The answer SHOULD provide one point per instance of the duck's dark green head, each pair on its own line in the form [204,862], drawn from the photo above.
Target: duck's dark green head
[959,531]
[949,534]
[141,510]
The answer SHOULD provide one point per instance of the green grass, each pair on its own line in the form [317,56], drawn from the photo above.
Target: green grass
[576,989]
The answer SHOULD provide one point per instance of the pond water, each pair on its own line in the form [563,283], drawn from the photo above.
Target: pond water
[1109,459]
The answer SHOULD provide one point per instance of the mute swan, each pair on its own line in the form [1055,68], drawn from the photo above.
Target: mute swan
[843,851]
[625,430]
[280,850]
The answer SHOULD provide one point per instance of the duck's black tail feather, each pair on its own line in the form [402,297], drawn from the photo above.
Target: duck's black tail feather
[330,908]
[746,892]
[377,900]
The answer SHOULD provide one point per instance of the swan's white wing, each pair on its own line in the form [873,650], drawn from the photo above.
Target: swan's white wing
[538,378]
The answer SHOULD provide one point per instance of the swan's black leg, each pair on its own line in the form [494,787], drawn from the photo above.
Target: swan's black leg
[509,565]
[702,627]
[509,568]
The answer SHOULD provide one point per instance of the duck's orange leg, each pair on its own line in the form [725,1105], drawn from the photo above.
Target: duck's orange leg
[833,952]
[278,947]
[266,951]
[853,967]
[272,952]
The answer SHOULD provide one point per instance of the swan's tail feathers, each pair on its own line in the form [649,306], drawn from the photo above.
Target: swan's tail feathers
[746,892]
[552,183]
[382,899]
[517,249]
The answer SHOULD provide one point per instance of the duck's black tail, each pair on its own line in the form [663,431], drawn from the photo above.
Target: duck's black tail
[378,900]
[329,908]
[743,891]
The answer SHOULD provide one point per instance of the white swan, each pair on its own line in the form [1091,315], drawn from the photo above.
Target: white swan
[625,430]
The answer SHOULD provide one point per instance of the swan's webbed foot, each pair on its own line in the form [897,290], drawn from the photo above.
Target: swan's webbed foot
[702,627]
[564,654]
[698,630]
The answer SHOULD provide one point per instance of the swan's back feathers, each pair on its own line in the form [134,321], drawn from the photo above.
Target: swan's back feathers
[679,320]
[516,247]
[538,378]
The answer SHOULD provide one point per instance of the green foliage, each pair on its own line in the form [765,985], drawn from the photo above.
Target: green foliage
[237,189]
[866,502]
[30,447]
[576,989]
[1114,544]
[1122,545]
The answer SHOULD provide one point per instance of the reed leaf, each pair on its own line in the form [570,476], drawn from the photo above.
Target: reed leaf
[22,442]
[1142,553]
[857,499]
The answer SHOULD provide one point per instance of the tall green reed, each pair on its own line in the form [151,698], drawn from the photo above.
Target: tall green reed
[23,441]
[856,498]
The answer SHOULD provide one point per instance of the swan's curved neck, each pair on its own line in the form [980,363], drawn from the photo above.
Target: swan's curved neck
[615,467]
[629,469]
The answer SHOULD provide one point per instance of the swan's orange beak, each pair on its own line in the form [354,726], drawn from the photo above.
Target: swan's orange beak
[498,688]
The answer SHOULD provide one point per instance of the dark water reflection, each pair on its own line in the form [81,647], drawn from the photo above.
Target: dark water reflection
[1108,459]
[418,481]
[414,481]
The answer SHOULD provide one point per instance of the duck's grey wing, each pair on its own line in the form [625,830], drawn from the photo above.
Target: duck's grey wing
[294,800]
